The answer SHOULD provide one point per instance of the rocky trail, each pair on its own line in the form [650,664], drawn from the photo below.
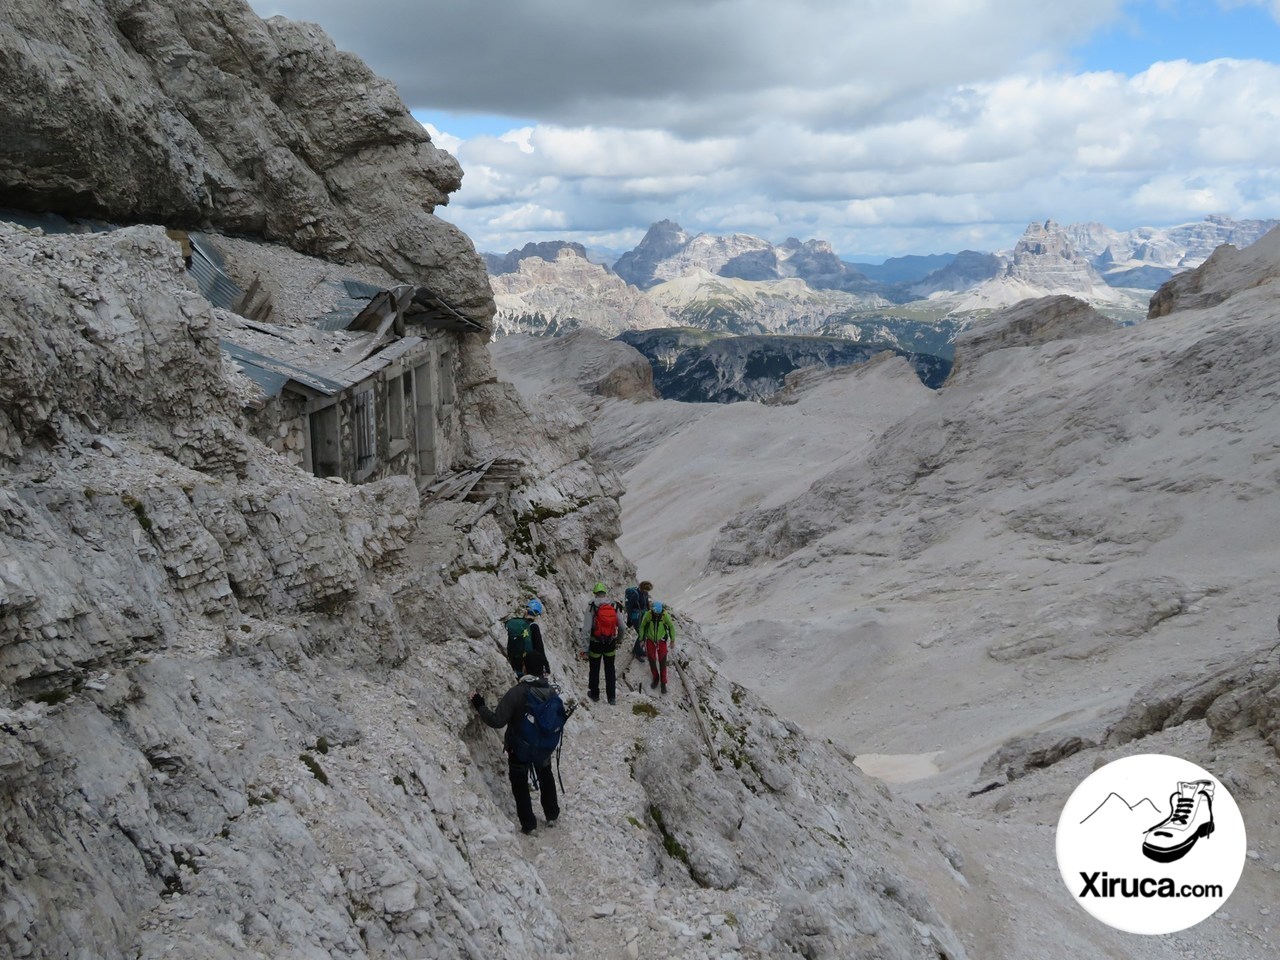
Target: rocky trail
[606,874]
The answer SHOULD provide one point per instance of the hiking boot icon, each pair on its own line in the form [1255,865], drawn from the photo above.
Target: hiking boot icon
[1190,818]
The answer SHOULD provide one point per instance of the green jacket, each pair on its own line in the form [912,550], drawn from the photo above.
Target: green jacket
[657,627]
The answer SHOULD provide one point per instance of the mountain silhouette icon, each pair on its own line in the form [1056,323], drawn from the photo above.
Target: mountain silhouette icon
[1116,807]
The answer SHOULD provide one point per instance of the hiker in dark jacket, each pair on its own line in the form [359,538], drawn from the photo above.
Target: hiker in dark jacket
[657,631]
[532,611]
[637,604]
[523,635]
[596,647]
[507,714]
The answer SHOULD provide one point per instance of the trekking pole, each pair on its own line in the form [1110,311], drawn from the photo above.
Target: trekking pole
[697,713]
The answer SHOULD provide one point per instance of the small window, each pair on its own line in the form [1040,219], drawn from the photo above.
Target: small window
[365,427]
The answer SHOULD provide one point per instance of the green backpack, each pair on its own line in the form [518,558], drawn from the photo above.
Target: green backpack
[519,642]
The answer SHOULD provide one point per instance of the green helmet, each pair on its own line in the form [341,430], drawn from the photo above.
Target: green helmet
[599,588]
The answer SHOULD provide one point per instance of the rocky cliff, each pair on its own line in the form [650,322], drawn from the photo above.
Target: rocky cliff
[1027,324]
[498,264]
[668,252]
[1147,256]
[1043,263]
[233,717]
[155,112]
[567,292]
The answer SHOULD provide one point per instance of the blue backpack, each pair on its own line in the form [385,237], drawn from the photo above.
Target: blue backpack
[634,610]
[541,724]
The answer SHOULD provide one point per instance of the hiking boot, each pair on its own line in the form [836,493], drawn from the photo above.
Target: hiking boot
[654,683]
[595,697]
[1190,818]
[528,830]
[613,701]
[664,688]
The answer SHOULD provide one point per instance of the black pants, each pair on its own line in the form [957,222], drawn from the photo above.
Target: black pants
[519,773]
[610,678]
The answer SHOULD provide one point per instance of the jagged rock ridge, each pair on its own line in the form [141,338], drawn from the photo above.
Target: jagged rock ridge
[568,292]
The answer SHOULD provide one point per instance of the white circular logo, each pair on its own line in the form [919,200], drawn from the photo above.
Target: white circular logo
[1151,844]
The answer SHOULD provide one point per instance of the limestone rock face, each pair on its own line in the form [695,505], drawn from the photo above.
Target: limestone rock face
[134,325]
[566,293]
[1132,258]
[1026,324]
[1043,263]
[582,360]
[969,269]
[510,262]
[711,302]
[1227,272]
[638,267]
[211,117]
[668,252]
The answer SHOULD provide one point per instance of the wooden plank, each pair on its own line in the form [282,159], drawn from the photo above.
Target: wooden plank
[246,298]
[697,713]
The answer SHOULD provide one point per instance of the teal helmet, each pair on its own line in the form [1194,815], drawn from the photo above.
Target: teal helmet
[657,607]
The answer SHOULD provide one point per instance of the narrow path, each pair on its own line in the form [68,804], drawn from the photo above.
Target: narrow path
[607,874]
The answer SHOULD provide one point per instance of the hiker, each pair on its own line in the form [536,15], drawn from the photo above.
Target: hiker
[659,634]
[510,713]
[637,600]
[524,635]
[601,631]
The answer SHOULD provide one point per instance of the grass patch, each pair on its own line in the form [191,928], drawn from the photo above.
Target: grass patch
[316,770]
[643,708]
[675,849]
[139,511]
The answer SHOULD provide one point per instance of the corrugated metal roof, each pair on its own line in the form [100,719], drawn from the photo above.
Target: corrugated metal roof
[359,290]
[355,298]
[206,269]
[338,319]
[272,374]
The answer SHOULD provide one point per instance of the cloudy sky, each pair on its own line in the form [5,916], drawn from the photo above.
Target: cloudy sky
[885,126]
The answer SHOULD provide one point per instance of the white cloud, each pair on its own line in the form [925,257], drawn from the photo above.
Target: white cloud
[445,141]
[870,123]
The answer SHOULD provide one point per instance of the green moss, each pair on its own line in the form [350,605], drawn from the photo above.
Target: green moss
[316,770]
[675,849]
[139,511]
[399,782]
[322,745]
[838,841]
[730,918]
[634,822]
[643,708]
